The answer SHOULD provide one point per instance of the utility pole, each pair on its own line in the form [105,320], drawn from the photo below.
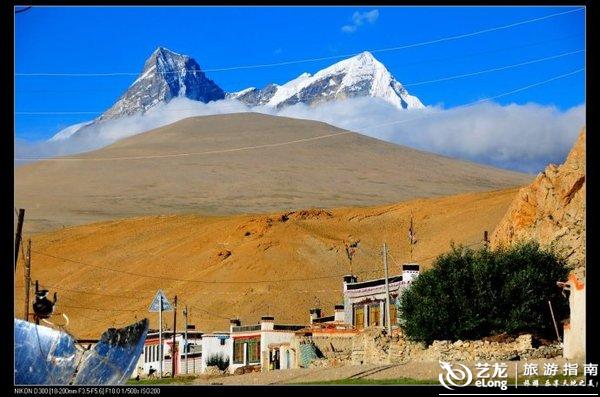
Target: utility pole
[20,219]
[174,349]
[411,236]
[387,290]
[27,279]
[554,321]
[160,341]
[185,339]
[486,239]
[37,288]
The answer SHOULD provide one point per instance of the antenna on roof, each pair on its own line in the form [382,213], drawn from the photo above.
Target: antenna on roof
[412,240]
[351,250]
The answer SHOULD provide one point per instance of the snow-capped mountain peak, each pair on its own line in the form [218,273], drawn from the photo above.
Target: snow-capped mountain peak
[166,75]
[360,75]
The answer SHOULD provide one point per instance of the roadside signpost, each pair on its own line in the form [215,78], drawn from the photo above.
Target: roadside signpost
[160,304]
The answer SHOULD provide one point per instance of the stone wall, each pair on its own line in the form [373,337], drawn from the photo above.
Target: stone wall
[374,346]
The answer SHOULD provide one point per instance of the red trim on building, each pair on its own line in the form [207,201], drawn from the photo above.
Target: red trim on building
[246,337]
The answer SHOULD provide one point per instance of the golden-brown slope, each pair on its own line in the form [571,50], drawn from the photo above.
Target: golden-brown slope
[240,163]
[231,258]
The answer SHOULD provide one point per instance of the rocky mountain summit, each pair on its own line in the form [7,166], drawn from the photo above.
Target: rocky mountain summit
[552,209]
[166,75]
[359,76]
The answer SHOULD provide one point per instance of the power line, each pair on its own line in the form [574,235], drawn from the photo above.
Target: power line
[478,101]
[306,60]
[186,280]
[496,69]
[452,77]
[88,292]
[27,8]
[402,64]
[269,145]
[297,140]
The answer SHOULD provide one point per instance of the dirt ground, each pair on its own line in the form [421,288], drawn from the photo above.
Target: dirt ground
[413,370]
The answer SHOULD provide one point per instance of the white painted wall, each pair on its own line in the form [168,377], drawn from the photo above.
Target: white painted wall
[211,345]
[574,331]
[150,355]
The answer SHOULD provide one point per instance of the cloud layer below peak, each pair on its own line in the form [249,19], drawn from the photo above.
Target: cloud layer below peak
[518,137]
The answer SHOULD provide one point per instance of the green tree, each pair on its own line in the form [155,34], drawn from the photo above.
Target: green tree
[470,294]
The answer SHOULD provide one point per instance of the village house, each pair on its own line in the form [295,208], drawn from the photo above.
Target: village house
[189,363]
[365,303]
[574,328]
[215,346]
[264,346]
[365,306]
[269,346]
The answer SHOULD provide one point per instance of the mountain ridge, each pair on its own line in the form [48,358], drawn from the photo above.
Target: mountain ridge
[167,75]
[357,76]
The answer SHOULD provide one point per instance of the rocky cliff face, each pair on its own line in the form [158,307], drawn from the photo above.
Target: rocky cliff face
[166,75]
[359,76]
[551,209]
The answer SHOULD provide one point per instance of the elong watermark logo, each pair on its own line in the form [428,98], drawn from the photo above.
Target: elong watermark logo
[456,375]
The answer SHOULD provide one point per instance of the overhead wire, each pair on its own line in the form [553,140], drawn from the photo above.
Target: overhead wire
[319,137]
[417,83]
[306,60]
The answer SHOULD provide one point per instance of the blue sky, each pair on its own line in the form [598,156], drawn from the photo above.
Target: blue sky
[119,39]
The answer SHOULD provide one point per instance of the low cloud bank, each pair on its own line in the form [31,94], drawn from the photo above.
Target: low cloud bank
[518,137]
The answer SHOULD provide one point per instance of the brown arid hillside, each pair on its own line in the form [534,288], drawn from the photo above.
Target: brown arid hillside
[239,164]
[281,264]
[552,209]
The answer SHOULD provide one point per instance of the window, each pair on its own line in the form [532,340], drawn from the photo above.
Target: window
[254,350]
[359,316]
[374,315]
[238,351]
[222,341]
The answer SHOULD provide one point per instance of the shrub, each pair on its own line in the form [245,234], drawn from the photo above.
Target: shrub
[470,294]
[219,361]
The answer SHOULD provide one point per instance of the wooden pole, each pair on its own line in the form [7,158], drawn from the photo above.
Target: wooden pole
[185,338]
[37,288]
[27,279]
[554,321]
[387,290]
[411,237]
[173,348]
[20,219]
[160,341]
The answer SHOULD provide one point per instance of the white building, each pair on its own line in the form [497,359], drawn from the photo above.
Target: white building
[365,302]
[264,345]
[216,345]
[574,328]
[150,357]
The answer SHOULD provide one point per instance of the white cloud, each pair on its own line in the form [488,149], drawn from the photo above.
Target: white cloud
[359,19]
[520,137]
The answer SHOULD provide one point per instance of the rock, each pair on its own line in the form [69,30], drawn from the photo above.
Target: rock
[552,209]
[213,370]
[524,342]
